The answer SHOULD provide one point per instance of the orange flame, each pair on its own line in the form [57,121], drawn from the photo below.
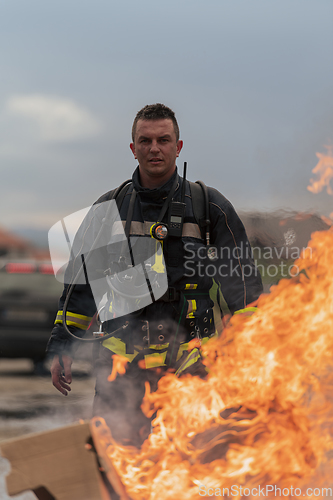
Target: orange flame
[118,366]
[324,169]
[264,415]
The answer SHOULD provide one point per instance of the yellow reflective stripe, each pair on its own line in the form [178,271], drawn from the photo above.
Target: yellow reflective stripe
[75,315]
[119,347]
[158,347]
[184,347]
[155,359]
[247,309]
[191,286]
[192,307]
[190,360]
[74,319]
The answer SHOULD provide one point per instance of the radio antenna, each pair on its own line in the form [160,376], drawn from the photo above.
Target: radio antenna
[184,179]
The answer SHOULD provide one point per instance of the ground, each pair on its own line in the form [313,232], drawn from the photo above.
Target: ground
[30,403]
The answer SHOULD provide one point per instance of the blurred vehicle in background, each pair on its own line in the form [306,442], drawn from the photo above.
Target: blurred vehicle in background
[29,295]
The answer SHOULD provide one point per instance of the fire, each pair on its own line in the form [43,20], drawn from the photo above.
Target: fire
[264,414]
[324,169]
[118,366]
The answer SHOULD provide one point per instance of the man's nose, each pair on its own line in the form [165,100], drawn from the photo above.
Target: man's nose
[154,146]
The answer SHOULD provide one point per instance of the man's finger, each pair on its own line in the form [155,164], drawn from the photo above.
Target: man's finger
[59,383]
[64,385]
[67,362]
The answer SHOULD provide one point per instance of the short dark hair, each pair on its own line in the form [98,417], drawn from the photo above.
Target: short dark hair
[156,111]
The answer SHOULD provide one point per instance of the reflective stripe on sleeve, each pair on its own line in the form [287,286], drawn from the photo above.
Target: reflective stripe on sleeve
[78,320]
[247,309]
[191,286]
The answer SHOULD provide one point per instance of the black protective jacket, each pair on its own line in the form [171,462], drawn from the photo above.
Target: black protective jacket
[189,271]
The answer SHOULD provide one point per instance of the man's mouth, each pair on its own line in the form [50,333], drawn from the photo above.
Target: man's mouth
[155,160]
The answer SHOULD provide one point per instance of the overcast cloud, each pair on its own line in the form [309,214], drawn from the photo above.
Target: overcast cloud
[56,119]
[251,83]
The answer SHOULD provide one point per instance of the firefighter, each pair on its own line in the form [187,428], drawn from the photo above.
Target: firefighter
[157,336]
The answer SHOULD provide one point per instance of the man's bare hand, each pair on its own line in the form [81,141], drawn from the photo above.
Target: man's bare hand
[62,376]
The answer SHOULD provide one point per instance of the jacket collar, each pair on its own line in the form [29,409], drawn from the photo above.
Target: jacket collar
[156,194]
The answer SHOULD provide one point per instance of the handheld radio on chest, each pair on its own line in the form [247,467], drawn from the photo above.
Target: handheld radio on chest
[177,212]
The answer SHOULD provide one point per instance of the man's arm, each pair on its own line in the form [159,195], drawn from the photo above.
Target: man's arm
[237,275]
[82,304]
[61,345]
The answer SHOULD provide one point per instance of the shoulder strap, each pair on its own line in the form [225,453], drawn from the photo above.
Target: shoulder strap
[200,205]
[119,193]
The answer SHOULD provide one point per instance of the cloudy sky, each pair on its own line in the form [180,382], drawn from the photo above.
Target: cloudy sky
[251,82]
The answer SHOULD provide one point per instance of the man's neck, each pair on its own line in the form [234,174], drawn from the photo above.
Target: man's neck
[154,182]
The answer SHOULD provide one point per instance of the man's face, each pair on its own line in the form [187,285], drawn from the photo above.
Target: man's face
[156,149]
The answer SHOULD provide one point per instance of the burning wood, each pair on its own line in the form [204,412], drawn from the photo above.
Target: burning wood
[103,441]
[264,413]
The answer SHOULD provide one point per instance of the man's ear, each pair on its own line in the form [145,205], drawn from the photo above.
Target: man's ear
[133,149]
[179,147]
